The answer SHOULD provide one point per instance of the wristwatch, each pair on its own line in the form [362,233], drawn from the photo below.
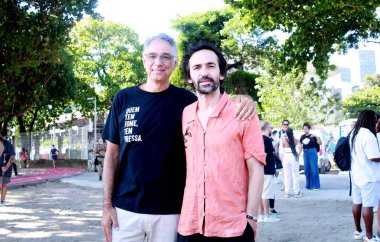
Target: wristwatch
[251,217]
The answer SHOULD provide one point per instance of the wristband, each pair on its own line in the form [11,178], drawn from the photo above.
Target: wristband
[251,217]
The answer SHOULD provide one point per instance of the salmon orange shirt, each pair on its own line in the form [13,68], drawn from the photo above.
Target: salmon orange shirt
[216,189]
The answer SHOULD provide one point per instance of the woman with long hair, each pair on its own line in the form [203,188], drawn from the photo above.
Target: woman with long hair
[310,157]
[291,163]
[365,170]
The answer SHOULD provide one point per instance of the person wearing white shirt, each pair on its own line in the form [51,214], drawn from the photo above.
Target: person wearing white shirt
[365,166]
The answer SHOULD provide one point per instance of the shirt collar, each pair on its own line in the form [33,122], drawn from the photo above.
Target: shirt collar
[219,106]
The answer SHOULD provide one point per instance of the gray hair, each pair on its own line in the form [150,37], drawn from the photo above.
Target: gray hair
[164,37]
[265,126]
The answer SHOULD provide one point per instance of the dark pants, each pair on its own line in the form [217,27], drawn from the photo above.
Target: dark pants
[271,203]
[248,236]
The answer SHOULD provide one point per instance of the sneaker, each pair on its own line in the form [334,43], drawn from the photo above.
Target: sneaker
[315,189]
[260,218]
[359,235]
[374,239]
[3,204]
[274,212]
[298,195]
[286,195]
[271,219]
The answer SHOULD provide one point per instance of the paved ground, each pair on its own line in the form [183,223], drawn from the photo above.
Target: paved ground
[69,209]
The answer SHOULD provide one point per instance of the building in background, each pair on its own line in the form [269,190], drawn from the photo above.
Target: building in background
[353,67]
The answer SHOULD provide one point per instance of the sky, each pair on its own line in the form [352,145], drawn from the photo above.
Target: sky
[151,17]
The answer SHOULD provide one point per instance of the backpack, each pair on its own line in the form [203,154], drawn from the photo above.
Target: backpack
[342,154]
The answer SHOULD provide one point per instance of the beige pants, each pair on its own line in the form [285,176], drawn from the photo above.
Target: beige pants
[136,227]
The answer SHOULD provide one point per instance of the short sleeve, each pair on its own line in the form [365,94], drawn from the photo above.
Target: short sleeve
[111,128]
[253,142]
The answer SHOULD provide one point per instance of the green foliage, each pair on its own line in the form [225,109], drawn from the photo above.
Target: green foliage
[242,47]
[241,82]
[292,97]
[366,97]
[108,57]
[201,26]
[316,28]
[35,69]
[246,45]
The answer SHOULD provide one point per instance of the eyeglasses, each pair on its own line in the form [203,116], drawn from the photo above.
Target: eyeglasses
[285,124]
[166,58]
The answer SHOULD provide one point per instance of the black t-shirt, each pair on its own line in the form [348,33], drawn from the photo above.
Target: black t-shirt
[307,141]
[270,167]
[152,168]
[5,156]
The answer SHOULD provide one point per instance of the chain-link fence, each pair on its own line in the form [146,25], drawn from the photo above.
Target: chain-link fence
[74,143]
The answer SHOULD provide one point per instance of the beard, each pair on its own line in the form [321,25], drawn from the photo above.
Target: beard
[206,89]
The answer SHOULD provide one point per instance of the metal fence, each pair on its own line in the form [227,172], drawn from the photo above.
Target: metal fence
[74,143]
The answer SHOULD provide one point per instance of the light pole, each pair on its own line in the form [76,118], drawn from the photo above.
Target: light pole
[95,136]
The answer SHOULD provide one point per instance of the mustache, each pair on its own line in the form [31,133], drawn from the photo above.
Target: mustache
[206,79]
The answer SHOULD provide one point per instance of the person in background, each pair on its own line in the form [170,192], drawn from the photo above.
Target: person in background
[310,156]
[377,209]
[7,158]
[279,168]
[269,175]
[291,163]
[24,157]
[225,157]
[54,155]
[282,133]
[144,166]
[365,170]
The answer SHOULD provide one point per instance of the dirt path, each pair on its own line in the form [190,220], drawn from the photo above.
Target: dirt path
[57,211]
[52,211]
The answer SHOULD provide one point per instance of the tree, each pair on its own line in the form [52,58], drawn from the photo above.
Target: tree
[246,45]
[242,82]
[108,57]
[194,28]
[243,48]
[35,69]
[366,97]
[316,28]
[292,97]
